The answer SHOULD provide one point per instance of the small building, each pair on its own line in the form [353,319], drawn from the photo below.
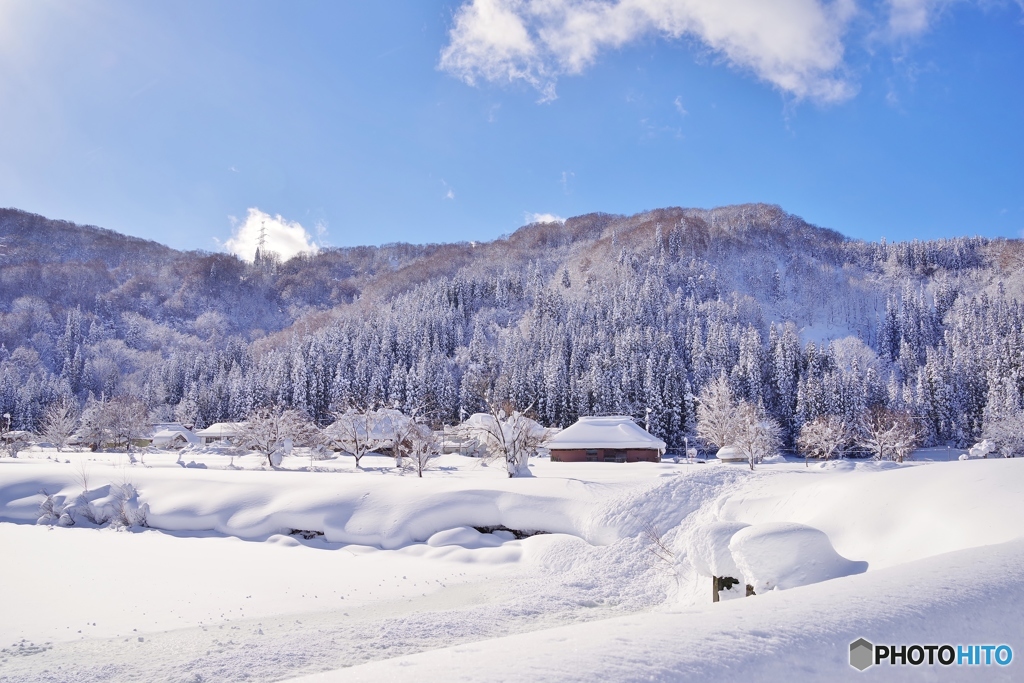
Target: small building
[731,454]
[174,437]
[220,431]
[612,438]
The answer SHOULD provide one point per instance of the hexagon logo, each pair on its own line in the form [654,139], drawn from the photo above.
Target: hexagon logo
[862,654]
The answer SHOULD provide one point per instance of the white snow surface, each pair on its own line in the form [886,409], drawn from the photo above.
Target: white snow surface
[401,586]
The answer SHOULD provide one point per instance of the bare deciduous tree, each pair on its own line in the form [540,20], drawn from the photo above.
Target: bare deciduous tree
[96,423]
[128,420]
[60,422]
[824,437]
[716,413]
[423,448]
[1006,431]
[755,435]
[508,434]
[355,431]
[268,431]
[889,434]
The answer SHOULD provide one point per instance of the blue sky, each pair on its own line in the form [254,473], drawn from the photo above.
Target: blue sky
[345,122]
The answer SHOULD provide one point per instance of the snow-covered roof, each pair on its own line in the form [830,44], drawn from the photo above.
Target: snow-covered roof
[221,429]
[612,431]
[730,454]
[157,427]
[168,435]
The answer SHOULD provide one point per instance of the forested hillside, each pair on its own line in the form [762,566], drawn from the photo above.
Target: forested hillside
[600,314]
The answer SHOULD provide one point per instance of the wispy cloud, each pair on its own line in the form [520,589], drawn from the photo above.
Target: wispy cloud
[678,102]
[449,193]
[795,45]
[912,17]
[285,237]
[566,181]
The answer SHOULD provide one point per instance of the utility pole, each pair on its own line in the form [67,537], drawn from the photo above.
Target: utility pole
[261,244]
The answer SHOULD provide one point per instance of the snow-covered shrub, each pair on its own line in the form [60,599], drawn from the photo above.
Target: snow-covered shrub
[49,510]
[115,504]
[127,510]
[979,450]
[1006,432]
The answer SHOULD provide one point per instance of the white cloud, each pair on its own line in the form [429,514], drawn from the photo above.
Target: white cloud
[796,45]
[285,237]
[912,17]
[678,101]
[542,218]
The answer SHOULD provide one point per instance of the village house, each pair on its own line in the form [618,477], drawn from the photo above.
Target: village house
[172,435]
[611,438]
[220,431]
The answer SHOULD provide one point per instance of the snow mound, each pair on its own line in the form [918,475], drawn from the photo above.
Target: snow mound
[708,549]
[465,537]
[841,464]
[787,555]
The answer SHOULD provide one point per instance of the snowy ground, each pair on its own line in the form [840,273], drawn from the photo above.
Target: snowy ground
[398,588]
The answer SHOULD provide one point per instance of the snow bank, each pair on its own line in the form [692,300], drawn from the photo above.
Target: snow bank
[355,508]
[971,596]
[888,514]
[464,537]
[786,555]
[708,549]
[318,605]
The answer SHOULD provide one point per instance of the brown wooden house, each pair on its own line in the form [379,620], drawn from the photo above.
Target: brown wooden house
[612,438]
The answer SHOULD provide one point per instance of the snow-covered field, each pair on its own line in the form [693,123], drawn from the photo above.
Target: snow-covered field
[399,586]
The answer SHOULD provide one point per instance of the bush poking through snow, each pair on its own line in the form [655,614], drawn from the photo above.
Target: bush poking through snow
[116,505]
[657,544]
[47,512]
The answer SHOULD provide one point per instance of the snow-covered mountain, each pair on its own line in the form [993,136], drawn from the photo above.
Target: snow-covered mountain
[600,314]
